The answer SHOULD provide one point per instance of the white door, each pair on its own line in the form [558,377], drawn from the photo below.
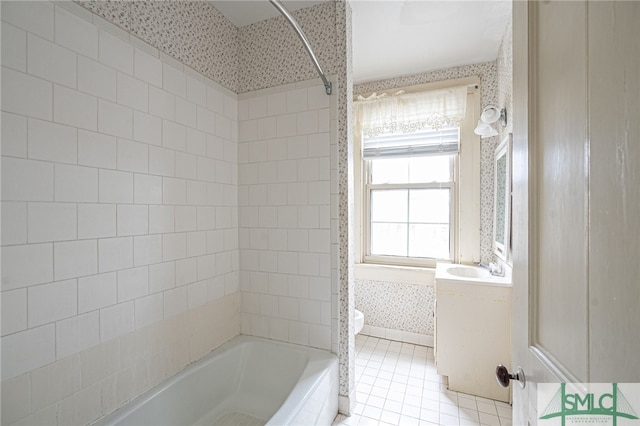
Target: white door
[576,195]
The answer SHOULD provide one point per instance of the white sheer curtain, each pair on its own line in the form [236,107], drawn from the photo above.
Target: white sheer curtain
[410,112]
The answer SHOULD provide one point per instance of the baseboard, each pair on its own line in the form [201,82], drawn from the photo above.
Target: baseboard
[398,335]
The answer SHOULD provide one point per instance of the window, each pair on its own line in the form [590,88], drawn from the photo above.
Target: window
[410,196]
[417,175]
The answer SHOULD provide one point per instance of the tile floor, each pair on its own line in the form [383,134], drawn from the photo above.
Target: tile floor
[397,384]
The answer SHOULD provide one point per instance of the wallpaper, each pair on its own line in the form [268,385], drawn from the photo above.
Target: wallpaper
[193,32]
[505,79]
[257,56]
[398,306]
[345,206]
[271,54]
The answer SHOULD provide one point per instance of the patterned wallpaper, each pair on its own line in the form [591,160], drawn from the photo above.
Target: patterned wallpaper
[345,206]
[505,79]
[257,56]
[271,54]
[398,306]
[487,71]
[193,32]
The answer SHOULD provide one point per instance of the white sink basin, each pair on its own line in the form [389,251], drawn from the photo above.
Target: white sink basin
[468,272]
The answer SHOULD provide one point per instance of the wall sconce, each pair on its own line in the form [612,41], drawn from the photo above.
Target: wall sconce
[490,114]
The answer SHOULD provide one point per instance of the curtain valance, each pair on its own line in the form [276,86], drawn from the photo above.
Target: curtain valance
[410,112]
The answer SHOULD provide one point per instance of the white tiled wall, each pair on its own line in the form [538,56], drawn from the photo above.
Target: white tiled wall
[120,259]
[285,216]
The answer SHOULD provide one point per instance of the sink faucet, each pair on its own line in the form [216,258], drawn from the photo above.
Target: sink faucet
[495,269]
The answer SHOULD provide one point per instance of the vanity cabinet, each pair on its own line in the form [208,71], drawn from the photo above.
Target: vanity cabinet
[472,332]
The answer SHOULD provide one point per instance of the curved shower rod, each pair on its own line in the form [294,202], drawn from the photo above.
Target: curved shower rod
[303,38]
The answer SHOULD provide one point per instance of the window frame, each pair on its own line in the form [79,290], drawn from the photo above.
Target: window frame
[367,257]
[467,198]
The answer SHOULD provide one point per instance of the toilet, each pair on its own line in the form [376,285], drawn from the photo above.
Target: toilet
[359,317]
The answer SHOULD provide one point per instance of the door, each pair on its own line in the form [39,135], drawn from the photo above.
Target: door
[576,196]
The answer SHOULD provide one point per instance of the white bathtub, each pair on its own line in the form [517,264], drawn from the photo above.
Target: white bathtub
[247,381]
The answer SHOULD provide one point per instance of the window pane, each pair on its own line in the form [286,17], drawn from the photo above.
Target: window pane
[430,169]
[429,241]
[429,206]
[389,239]
[390,170]
[389,205]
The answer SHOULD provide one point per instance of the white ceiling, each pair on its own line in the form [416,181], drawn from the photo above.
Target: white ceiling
[401,37]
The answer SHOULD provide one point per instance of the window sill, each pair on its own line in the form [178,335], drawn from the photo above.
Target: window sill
[394,273]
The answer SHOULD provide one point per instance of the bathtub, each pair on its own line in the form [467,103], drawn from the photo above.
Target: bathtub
[247,381]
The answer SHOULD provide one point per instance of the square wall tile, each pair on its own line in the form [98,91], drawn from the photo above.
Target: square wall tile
[147,249]
[14,223]
[74,108]
[114,119]
[133,220]
[14,47]
[116,187]
[52,302]
[133,283]
[174,80]
[16,398]
[132,92]
[52,142]
[147,189]
[96,79]
[161,161]
[149,309]
[75,259]
[116,52]
[34,17]
[147,68]
[96,291]
[96,150]
[147,128]
[96,221]
[133,156]
[26,95]
[14,311]
[116,321]
[51,222]
[27,350]
[76,334]
[26,180]
[115,253]
[76,33]
[51,62]
[26,265]
[14,135]
[76,184]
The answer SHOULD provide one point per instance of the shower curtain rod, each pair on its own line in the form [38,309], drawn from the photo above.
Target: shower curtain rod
[303,38]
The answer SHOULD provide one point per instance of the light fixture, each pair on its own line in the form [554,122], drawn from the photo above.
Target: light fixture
[485,130]
[490,114]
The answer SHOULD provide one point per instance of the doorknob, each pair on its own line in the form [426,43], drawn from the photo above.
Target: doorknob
[503,376]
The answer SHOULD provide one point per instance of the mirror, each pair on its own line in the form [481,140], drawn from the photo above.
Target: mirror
[502,199]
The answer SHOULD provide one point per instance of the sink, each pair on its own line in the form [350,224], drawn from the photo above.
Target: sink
[468,272]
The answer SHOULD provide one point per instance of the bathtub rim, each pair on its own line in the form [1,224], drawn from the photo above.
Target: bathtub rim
[315,359]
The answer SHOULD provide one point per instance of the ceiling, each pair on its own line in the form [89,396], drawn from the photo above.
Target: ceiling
[402,37]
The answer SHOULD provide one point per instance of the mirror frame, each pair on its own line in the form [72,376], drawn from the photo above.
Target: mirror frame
[502,249]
